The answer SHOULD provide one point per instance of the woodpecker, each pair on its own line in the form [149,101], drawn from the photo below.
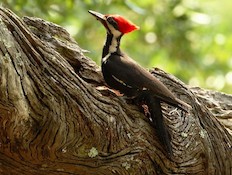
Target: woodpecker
[124,74]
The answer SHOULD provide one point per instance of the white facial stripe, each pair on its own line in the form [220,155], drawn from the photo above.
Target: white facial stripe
[113,45]
[116,34]
[105,58]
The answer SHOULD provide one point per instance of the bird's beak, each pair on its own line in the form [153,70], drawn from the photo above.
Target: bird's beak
[98,16]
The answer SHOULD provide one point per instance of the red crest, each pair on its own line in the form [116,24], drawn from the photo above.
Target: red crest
[124,25]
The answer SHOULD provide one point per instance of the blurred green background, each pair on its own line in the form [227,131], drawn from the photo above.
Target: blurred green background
[191,39]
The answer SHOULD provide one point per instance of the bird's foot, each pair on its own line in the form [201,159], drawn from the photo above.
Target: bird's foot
[146,110]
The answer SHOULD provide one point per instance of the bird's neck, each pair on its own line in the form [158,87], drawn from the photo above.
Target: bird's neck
[112,45]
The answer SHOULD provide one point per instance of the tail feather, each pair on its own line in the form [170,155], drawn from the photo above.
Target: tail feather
[173,101]
[158,123]
[156,115]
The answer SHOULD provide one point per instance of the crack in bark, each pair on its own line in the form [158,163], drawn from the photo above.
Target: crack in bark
[62,115]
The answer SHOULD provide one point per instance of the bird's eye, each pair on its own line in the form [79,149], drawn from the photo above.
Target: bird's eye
[112,22]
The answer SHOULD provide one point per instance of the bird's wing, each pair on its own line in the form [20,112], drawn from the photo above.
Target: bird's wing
[126,70]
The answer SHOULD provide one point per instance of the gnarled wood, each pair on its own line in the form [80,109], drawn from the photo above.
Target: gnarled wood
[54,118]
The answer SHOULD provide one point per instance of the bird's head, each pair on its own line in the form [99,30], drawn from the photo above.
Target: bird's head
[115,24]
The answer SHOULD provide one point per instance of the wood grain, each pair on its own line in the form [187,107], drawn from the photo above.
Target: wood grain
[54,118]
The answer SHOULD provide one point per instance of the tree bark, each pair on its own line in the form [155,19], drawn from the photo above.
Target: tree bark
[56,119]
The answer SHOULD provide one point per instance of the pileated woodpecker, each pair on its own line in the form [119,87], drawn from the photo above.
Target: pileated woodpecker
[124,74]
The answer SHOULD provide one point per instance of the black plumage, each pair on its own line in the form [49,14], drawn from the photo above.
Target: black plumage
[124,74]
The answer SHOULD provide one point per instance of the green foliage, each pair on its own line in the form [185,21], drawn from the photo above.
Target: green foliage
[188,38]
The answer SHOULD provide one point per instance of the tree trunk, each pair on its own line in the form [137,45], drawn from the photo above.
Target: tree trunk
[56,119]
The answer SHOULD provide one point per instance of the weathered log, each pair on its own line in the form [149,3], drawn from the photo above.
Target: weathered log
[54,118]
